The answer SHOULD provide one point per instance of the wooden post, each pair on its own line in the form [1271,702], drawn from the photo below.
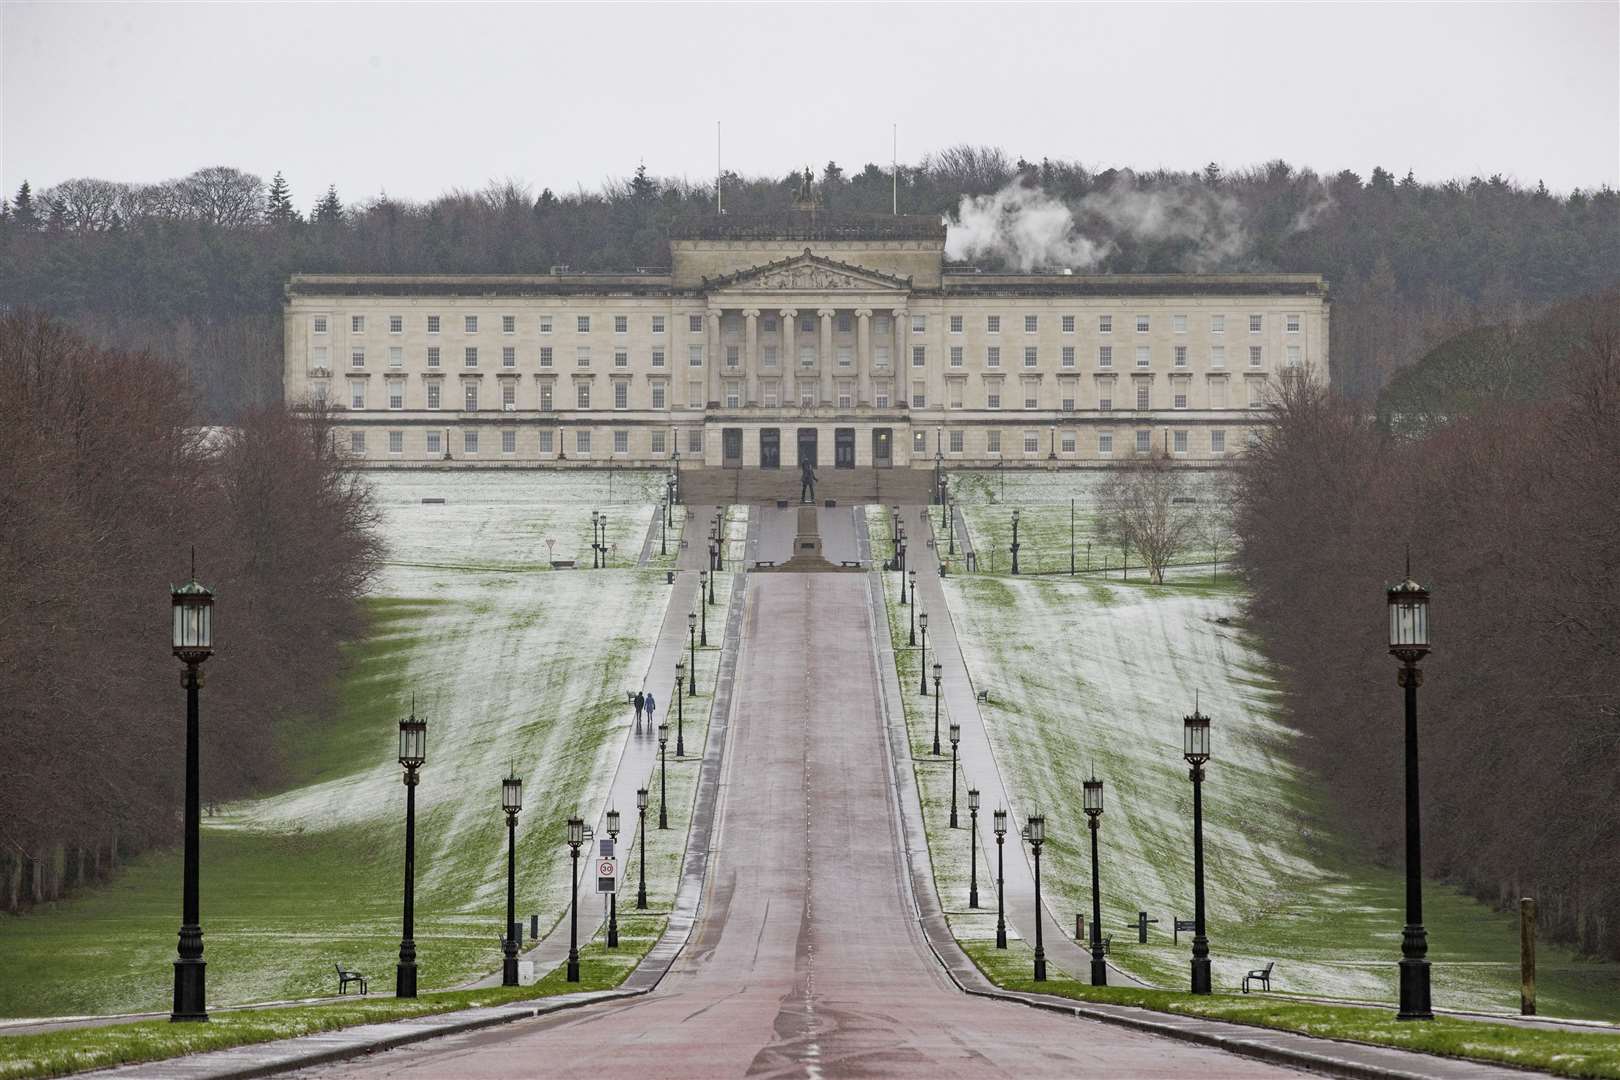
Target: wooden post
[1527,956]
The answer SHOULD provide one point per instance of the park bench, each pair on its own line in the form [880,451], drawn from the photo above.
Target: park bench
[1186,926]
[562,564]
[983,696]
[345,977]
[1262,976]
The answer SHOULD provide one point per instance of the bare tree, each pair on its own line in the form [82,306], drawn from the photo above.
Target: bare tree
[1145,505]
[221,195]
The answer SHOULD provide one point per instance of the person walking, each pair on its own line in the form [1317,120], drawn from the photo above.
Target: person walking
[641,703]
[652,706]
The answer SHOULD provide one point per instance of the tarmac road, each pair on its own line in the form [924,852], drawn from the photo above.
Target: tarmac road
[806,959]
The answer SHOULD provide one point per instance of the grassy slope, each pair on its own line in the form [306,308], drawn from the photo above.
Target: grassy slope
[510,661]
[1087,674]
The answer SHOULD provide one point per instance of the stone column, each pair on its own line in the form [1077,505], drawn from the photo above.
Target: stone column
[826,357]
[863,355]
[713,359]
[901,361]
[787,363]
[751,354]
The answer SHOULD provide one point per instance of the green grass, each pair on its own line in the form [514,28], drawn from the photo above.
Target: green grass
[1562,1052]
[57,1053]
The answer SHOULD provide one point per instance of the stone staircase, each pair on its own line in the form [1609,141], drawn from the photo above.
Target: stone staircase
[848,487]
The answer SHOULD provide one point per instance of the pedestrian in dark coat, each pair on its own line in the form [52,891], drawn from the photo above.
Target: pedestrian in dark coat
[641,702]
[651,707]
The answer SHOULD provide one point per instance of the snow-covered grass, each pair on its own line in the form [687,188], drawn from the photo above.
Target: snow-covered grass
[513,664]
[1089,675]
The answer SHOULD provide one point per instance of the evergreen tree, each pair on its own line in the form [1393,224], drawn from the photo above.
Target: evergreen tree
[22,207]
[1212,174]
[643,188]
[278,208]
[329,211]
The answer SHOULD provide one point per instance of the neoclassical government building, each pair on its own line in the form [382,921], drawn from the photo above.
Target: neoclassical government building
[847,341]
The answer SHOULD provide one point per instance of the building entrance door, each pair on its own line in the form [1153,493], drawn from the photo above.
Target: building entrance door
[731,447]
[844,448]
[882,447]
[807,446]
[770,448]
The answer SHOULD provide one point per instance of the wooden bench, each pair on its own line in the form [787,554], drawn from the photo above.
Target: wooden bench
[345,977]
[1262,976]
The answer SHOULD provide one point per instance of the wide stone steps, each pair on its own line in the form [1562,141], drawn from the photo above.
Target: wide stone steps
[768,486]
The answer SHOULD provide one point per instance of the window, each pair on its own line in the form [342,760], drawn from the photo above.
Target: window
[992,441]
[470,324]
[1031,395]
[733,356]
[882,394]
[694,440]
[1067,324]
[469,442]
[919,442]
[919,355]
[318,324]
[1178,323]
[582,324]
[1067,442]
[357,358]
[1291,323]
[1293,356]
[545,324]
[1252,437]
[992,356]
[1142,395]
[318,392]
[846,356]
[433,356]
[433,394]
[1217,441]
[955,388]
[357,394]
[508,356]
[1254,356]
[919,324]
[396,324]
[659,393]
[1142,324]
[545,441]
[357,442]
[1105,442]
[357,324]
[658,443]
[880,356]
[658,358]
[1178,442]
[508,324]
[582,442]
[582,395]
[1031,323]
[1032,442]
[1144,442]
[621,442]
[694,393]
[621,324]
[919,395]
[435,444]
[1144,356]
[956,356]
[545,356]
[508,441]
[807,325]
[509,393]
[694,355]
[992,395]
[768,324]
[694,324]
[807,392]
[1031,356]
[1105,396]
[1068,395]
[1217,324]
[733,394]
[771,396]
[621,358]
[956,324]
[582,356]
[1255,323]
[1105,356]
[469,394]
[658,328]
[471,356]
[1105,324]
[807,356]
[318,357]
[1181,356]
[1217,393]
[1179,394]
[396,394]
[768,356]
[1068,356]
[846,322]
[955,441]
[1217,356]
[1254,393]
[846,394]
[992,324]
[546,389]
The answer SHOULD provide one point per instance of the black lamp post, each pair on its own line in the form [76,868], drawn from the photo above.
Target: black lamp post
[998,821]
[902,548]
[719,540]
[950,528]
[412,755]
[675,476]
[911,576]
[1409,643]
[973,848]
[711,592]
[691,630]
[956,737]
[602,524]
[680,710]
[663,528]
[663,776]
[576,837]
[613,897]
[905,598]
[1015,542]
[193,643]
[714,550]
[894,524]
[641,886]
[1195,731]
[703,596]
[922,623]
[512,803]
[1093,791]
[1037,836]
[911,617]
[939,466]
[939,669]
[595,515]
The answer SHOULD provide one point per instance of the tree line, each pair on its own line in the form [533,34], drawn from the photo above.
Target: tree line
[107,485]
[1510,505]
[194,267]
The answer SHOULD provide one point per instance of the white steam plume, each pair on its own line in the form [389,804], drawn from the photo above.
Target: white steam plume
[1023,227]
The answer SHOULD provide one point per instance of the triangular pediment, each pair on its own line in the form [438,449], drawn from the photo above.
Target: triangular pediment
[808,272]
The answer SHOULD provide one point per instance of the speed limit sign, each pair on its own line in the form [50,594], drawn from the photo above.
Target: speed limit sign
[607,874]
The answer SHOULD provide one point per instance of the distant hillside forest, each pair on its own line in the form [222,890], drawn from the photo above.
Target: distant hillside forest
[193,268]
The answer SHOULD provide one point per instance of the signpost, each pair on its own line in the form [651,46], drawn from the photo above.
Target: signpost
[607,867]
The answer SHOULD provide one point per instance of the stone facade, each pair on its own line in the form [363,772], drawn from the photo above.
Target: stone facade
[803,333]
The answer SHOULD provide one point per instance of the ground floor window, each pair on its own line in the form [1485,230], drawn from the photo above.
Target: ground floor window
[1032,442]
[658,443]
[582,443]
[956,442]
[992,441]
[621,442]
[545,441]
[509,442]
[469,442]
[1068,442]
[435,444]
[396,442]
[357,442]
[1105,442]
[919,442]
[1178,440]
[694,440]
[1144,442]
[1217,441]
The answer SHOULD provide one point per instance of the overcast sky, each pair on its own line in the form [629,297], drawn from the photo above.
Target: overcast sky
[415,99]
